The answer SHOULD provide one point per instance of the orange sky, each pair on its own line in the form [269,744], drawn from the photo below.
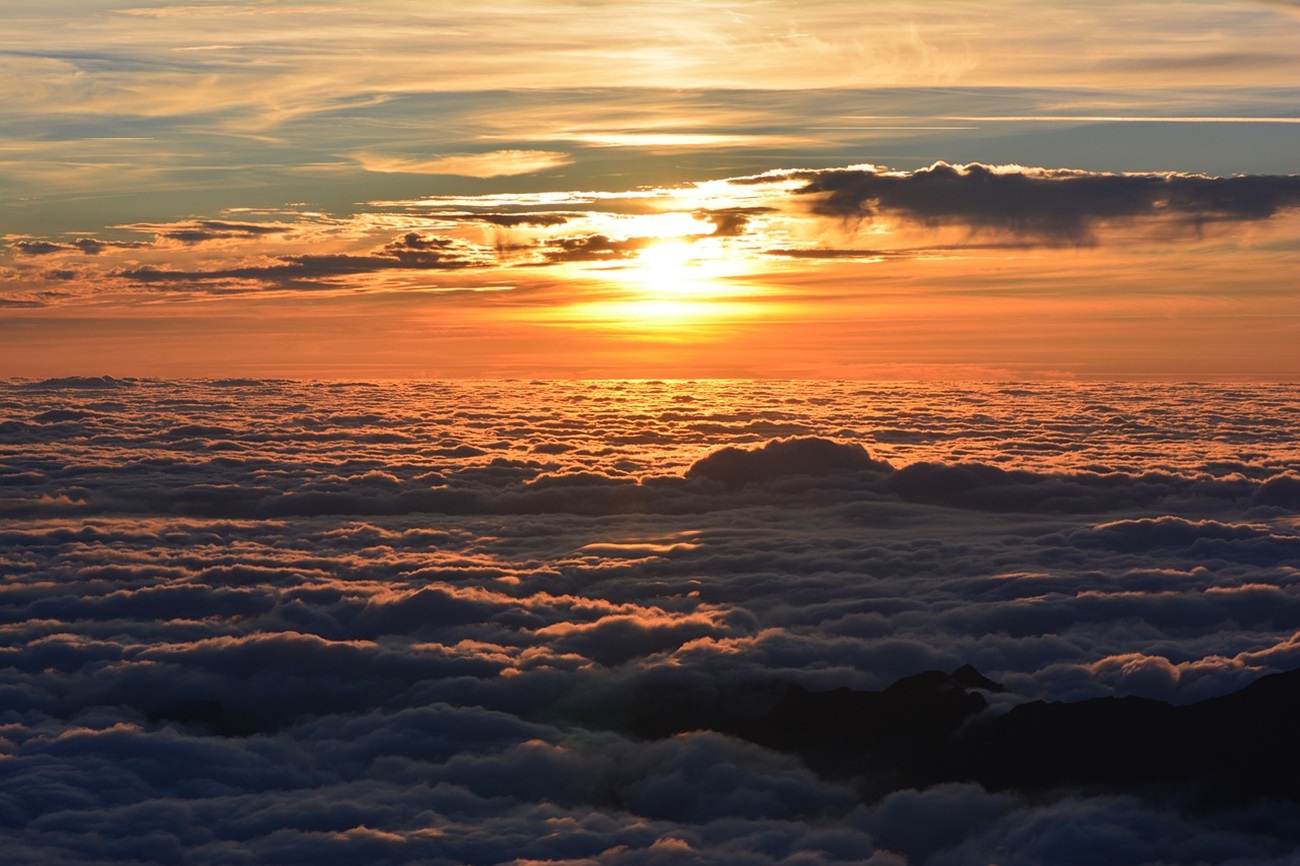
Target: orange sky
[208,190]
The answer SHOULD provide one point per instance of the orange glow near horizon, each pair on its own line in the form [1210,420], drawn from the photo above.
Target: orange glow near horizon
[748,277]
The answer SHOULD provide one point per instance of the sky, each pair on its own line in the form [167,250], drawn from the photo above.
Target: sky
[938,190]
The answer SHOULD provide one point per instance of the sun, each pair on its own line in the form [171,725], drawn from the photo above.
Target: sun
[666,255]
[666,264]
[672,283]
[681,287]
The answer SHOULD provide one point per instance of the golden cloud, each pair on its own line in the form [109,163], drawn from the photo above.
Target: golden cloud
[496,163]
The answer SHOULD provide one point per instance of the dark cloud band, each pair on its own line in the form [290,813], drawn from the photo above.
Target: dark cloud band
[1051,203]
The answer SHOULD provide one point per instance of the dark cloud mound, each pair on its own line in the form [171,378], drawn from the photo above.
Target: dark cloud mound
[1282,491]
[736,467]
[985,487]
[1200,538]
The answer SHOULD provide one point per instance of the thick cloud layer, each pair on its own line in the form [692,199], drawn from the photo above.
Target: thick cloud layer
[277,622]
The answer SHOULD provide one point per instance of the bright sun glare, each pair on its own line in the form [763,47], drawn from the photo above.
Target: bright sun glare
[680,269]
[675,283]
[666,264]
[684,283]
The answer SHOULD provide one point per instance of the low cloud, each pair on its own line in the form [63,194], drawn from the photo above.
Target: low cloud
[411,251]
[482,622]
[823,253]
[594,248]
[514,220]
[733,221]
[38,248]
[736,467]
[201,231]
[88,246]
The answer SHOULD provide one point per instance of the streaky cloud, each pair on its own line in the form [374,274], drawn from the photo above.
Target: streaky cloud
[496,163]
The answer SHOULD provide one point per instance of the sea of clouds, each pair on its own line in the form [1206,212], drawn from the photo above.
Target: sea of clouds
[281,622]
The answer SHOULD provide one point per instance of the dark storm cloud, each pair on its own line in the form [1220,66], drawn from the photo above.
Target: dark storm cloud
[1060,204]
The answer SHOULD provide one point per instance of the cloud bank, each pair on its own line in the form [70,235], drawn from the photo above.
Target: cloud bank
[1055,204]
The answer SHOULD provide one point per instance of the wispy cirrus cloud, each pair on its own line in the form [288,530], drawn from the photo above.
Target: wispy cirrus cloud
[496,163]
[678,44]
[190,107]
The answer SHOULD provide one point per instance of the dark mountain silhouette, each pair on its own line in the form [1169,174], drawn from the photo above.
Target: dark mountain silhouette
[1223,750]
[892,738]
[933,727]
